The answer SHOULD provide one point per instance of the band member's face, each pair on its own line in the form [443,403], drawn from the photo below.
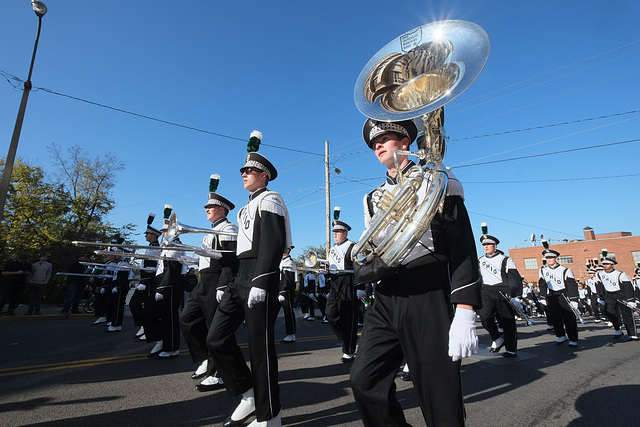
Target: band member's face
[489,248]
[150,237]
[551,261]
[607,267]
[214,213]
[339,236]
[253,179]
[384,146]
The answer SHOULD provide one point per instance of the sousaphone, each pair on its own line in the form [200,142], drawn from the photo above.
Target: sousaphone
[413,77]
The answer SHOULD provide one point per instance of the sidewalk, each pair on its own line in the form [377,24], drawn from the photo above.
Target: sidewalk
[49,312]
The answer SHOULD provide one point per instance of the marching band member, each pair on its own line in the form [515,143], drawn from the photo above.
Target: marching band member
[500,280]
[341,305]
[119,288]
[593,284]
[287,296]
[217,269]
[143,292]
[309,296]
[618,297]
[414,304]
[559,289]
[264,233]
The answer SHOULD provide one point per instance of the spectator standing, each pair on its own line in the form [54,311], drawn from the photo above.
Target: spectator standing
[15,277]
[40,276]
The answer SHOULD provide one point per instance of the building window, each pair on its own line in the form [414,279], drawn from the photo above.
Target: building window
[566,259]
[531,263]
[636,257]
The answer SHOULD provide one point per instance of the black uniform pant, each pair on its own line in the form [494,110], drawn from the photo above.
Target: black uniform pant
[560,316]
[614,310]
[136,306]
[413,326]
[595,306]
[289,314]
[100,304]
[11,293]
[342,314]
[164,322]
[228,358]
[115,306]
[195,319]
[494,304]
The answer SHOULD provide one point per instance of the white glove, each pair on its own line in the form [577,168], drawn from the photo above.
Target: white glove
[256,295]
[574,305]
[281,298]
[102,290]
[517,303]
[114,290]
[141,287]
[219,294]
[360,294]
[463,340]
[632,304]
[602,302]
[159,296]
[543,302]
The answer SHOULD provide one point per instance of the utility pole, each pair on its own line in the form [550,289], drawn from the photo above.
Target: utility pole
[327,198]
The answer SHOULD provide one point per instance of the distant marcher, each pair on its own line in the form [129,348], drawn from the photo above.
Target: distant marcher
[40,276]
[75,285]
[15,277]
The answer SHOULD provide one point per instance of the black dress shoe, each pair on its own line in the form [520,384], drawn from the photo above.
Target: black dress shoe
[231,423]
[508,354]
[195,376]
[496,350]
[209,387]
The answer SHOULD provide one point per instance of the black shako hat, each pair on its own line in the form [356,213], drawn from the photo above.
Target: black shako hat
[214,198]
[150,229]
[340,226]
[373,128]
[488,239]
[257,160]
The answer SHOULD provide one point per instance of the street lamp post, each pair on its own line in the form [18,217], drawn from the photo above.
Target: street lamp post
[40,9]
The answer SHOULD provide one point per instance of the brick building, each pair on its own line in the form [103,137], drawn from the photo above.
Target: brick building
[575,254]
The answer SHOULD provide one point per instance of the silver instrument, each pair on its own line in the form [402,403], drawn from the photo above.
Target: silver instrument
[311,259]
[574,310]
[415,75]
[176,228]
[516,309]
[184,259]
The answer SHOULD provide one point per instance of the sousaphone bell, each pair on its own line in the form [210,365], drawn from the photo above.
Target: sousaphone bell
[412,77]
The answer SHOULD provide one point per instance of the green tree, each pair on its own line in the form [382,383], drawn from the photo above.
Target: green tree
[44,214]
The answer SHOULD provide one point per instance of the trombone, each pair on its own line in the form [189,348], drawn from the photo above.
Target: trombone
[183,259]
[311,259]
[122,267]
[517,309]
[574,310]
[177,228]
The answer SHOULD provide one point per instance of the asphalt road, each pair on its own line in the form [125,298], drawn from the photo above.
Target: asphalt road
[66,372]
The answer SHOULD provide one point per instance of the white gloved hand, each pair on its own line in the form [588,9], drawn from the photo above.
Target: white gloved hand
[360,294]
[159,296]
[114,290]
[463,340]
[574,305]
[219,294]
[141,287]
[602,302]
[256,295]
[102,291]
[543,302]
[632,304]
[517,303]
[281,298]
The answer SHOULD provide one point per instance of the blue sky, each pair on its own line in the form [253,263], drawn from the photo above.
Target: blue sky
[288,68]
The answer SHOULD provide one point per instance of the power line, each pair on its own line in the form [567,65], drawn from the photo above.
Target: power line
[552,180]
[549,154]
